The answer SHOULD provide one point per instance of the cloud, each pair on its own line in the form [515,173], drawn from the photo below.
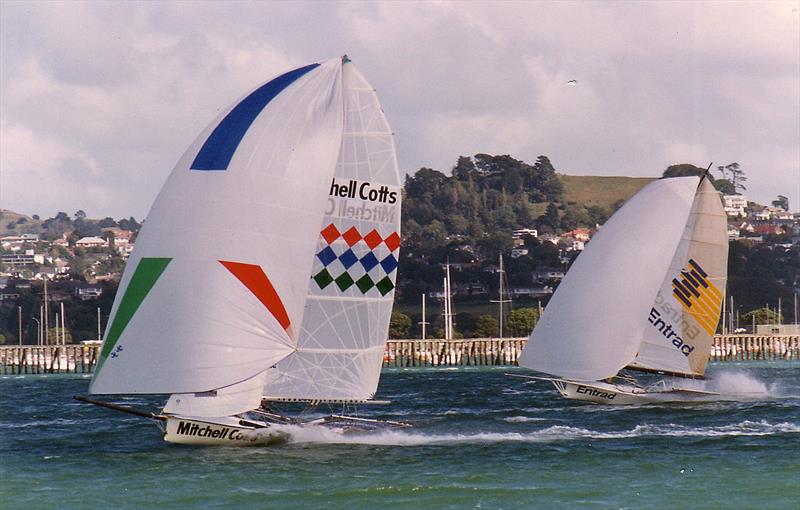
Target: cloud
[112,93]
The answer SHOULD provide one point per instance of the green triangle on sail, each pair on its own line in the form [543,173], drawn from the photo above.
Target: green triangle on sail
[143,279]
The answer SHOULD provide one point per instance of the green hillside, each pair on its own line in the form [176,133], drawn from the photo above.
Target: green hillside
[590,190]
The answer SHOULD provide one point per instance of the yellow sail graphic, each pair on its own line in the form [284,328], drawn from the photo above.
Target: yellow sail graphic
[698,296]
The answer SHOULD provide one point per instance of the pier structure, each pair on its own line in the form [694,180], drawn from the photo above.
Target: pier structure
[478,352]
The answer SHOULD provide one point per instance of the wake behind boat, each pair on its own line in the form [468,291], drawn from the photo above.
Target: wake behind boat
[645,295]
[266,269]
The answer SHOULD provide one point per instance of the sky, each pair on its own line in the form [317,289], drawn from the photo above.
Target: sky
[98,100]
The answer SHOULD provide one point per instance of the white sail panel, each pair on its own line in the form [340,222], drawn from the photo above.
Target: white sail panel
[352,275]
[593,325]
[227,401]
[683,318]
[215,290]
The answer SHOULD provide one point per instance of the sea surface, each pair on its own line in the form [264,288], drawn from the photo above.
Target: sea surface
[480,439]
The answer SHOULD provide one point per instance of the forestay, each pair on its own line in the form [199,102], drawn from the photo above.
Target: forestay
[594,323]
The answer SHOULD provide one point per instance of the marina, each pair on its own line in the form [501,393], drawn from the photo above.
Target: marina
[477,352]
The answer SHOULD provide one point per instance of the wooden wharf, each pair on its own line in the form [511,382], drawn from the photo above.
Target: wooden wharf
[476,352]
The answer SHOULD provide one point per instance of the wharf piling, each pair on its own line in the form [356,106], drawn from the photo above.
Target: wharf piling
[477,352]
[48,359]
[505,352]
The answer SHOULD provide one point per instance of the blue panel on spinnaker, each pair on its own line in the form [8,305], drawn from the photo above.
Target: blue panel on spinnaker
[217,151]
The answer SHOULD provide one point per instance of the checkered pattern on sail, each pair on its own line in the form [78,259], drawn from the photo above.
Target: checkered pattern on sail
[353,260]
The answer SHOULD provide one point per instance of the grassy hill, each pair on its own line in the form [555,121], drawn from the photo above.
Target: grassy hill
[601,191]
[12,223]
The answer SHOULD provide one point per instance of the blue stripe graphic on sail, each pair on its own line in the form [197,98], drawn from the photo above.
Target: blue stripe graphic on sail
[217,151]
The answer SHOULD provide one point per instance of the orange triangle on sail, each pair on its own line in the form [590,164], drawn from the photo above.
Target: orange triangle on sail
[253,277]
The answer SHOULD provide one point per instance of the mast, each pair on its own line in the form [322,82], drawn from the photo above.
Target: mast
[46,316]
[724,309]
[19,322]
[448,305]
[423,322]
[500,301]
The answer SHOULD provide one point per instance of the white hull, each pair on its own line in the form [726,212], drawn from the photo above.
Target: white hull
[219,432]
[605,393]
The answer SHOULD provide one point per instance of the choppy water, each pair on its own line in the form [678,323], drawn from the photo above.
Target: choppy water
[480,440]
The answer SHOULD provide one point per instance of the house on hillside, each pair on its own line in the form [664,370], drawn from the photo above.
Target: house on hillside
[91,242]
[88,291]
[531,291]
[762,214]
[16,242]
[25,258]
[581,234]
[545,274]
[522,232]
[49,273]
[570,243]
[767,229]
[734,205]
[551,238]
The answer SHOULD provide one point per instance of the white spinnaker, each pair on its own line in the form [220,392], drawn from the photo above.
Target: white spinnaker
[199,327]
[670,324]
[344,331]
[593,325]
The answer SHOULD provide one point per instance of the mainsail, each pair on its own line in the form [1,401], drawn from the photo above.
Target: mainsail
[220,290]
[596,320]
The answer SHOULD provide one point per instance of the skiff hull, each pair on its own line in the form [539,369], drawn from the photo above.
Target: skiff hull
[222,432]
[605,393]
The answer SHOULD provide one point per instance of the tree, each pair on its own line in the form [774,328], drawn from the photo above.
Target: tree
[520,322]
[107,222]
[763,316]
[724,186]
[129,224]
[80,215]
[682,170]
[399,325]
[735,175]
[782,202]
[487,327]
[550,216]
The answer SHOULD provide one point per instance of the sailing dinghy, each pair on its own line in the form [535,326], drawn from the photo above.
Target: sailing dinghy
[644,295]
[266,270]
